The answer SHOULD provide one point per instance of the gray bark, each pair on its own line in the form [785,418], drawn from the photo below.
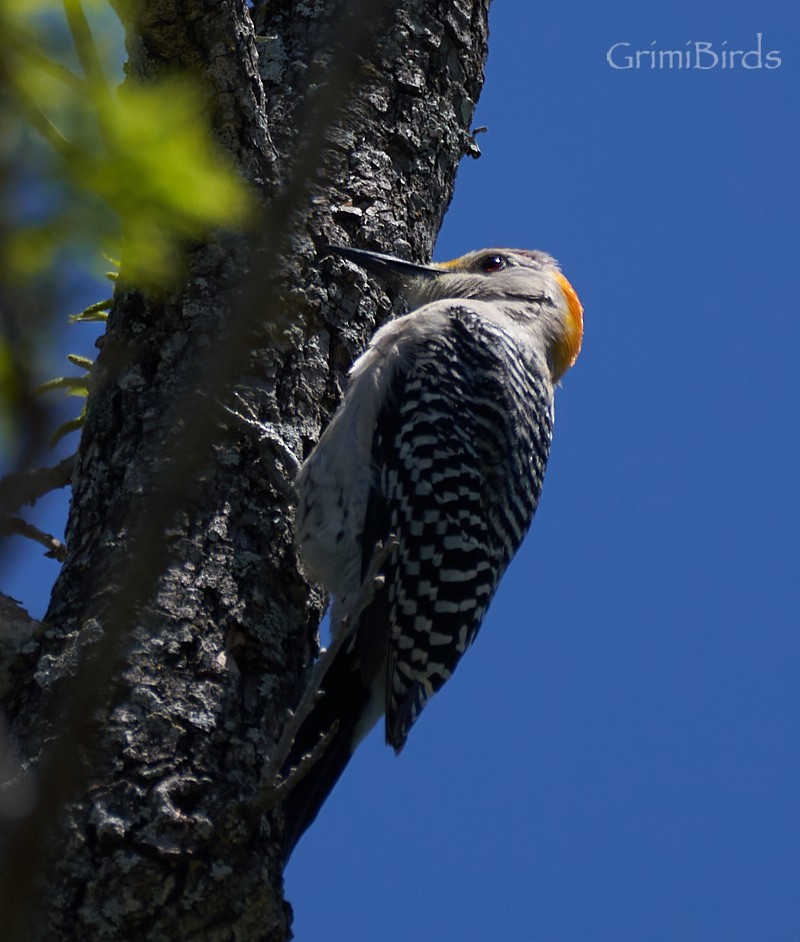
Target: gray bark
[180,629]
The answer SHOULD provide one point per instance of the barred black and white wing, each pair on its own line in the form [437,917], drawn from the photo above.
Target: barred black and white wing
[462,452]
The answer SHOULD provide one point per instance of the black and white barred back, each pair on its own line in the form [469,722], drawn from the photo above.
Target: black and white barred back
[462,455]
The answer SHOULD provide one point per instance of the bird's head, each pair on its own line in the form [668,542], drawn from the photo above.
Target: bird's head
[524,282]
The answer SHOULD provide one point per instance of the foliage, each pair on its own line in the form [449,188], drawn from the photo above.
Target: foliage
[137,169]
[87,168]
[78,385]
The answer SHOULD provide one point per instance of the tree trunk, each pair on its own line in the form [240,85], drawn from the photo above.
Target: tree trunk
[179,630]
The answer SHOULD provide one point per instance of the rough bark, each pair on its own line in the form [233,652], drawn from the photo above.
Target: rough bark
[180,628]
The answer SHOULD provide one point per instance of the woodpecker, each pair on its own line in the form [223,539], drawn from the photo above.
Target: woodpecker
[442,439]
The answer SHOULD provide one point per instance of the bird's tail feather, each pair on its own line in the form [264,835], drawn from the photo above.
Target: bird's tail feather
[341,706]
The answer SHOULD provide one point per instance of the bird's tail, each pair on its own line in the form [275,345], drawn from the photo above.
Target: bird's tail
[339,708]
[353,696]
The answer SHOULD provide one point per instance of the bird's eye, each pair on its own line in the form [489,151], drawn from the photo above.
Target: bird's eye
[493,263]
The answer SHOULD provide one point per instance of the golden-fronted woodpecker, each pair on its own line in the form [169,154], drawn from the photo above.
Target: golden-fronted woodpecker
[441,440]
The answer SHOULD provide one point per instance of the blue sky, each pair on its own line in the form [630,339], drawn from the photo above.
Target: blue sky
[617,757]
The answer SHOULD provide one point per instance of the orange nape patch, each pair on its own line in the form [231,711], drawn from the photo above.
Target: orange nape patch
[569,348]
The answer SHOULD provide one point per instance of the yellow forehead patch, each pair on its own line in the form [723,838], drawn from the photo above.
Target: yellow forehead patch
[453,263]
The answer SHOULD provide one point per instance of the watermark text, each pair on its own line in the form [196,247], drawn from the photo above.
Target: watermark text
[696,54]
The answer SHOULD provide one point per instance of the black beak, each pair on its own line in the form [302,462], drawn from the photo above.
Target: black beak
[383,265]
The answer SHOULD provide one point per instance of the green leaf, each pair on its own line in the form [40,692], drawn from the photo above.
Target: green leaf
[93,313]
[73,425]
[9,391]
[84,362]
[137,171]
[74,385]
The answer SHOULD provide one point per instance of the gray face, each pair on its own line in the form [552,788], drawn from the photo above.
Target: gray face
[487,275]
[483,262]
[495,260]
[524,282]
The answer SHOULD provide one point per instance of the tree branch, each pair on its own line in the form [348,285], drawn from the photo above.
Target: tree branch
[26,487]
[16,526]
[17,638]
